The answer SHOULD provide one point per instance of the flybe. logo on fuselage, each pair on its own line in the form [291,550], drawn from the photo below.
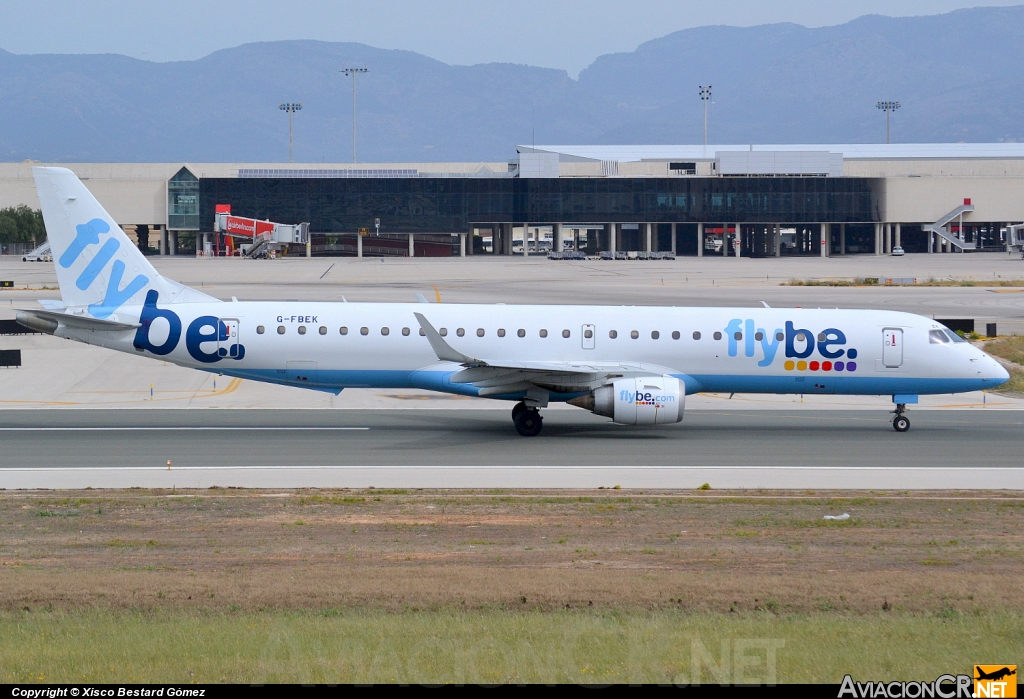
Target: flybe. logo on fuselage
[798,345]
[203,331]
[87,234]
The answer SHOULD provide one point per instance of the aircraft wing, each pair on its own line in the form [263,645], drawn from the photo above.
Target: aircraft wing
[498,377]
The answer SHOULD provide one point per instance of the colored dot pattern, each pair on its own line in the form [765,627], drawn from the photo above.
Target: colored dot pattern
[815,365]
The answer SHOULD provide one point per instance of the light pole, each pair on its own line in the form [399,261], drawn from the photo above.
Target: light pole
[354,72]
[291,108]
[705,97]
[889,108]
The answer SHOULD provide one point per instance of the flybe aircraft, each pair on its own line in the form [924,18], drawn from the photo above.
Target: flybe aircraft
[635,365]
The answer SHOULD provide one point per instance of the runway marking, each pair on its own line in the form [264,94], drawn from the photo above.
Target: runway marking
[175,429]
[231,388]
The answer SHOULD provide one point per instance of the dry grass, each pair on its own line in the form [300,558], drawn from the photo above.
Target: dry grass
[400,550]
[423,586]
[1011,349]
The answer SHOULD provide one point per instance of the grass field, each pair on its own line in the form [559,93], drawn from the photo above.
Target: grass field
[494,586]
[496,646]
[1012,349]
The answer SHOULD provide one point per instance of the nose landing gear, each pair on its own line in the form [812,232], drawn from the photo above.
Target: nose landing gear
[900,423]
[528,421]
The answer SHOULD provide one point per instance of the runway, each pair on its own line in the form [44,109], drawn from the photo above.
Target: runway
[480,449]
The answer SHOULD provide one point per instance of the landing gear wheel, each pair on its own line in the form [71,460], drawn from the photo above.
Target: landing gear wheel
[900,423]
[519,407]
[528,421]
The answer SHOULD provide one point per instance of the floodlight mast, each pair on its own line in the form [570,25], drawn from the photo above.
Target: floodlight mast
[889,108]
[353,72]
[705,97]
[291,108]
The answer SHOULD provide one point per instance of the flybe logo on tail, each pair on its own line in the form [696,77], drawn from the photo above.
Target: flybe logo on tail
[208,339]
[88,234]
[798,344]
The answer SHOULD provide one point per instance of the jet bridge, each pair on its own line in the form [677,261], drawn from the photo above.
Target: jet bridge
[260,238]
[1015,237]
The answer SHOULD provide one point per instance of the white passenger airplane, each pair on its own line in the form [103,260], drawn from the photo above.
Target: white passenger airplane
[633,364]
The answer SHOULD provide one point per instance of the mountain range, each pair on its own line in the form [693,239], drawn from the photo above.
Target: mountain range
[958,77]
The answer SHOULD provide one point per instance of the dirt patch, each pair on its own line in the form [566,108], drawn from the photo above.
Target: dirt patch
[426,549]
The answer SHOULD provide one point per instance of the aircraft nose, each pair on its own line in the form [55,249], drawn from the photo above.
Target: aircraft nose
[994,372]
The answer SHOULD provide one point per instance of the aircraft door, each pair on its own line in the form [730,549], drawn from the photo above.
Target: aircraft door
[589,335]
[228,344]
[892,347]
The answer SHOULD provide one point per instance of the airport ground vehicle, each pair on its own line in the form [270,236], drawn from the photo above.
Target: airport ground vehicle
[633,364]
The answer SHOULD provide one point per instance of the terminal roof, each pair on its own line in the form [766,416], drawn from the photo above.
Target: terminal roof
[850,151]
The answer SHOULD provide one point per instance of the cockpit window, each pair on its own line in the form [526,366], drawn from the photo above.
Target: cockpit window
[954,337]
[937,337]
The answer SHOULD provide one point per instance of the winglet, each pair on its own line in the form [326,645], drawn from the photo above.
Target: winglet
[765,304]
[421,298]
[441,348]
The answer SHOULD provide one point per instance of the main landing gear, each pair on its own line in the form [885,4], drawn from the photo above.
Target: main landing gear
[528,421]
[900,423]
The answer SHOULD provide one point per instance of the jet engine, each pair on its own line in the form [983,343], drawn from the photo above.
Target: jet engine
[644,400]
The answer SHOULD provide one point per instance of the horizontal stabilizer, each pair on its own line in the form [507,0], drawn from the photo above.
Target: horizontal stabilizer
[48,321]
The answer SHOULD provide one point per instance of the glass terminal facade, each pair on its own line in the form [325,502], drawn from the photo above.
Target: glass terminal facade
[450,205]
[183,202]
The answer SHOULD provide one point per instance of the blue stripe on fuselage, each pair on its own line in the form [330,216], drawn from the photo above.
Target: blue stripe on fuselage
[333,381]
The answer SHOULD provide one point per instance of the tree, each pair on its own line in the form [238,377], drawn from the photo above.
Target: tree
[20,224]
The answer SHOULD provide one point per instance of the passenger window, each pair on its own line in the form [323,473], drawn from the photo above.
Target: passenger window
[587,334]
[460,332]
[343,330]
[613,334]
[655,334]
[543,333]
[443,332]
[422,333]
[479,332]
[696,334]
[364,330]
[260,329]
[737,336]
[405,332]
[675,334]
[385,331]
[634,334]
[323,329]
[566,333]
[779,337]
[302,329]
[718,335]
[821,337]
[280,330]
[501,332]
[759,336]
[521,333]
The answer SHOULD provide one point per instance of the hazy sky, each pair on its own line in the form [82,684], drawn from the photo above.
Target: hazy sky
[565,34]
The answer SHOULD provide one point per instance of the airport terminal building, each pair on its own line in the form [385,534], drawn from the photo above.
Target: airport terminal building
[745,200]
